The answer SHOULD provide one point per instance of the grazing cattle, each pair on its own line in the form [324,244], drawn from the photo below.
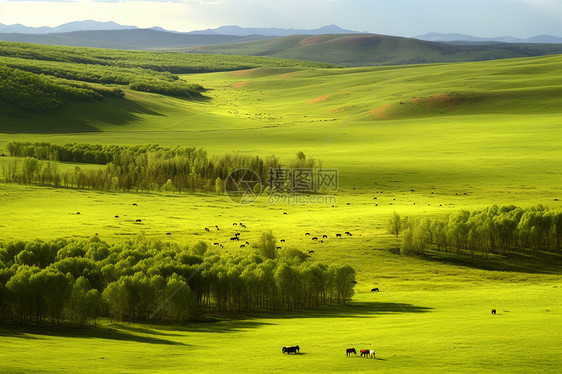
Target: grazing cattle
[393,199]
[241,224]
[315,238]
[375,290]
[411,190]
[216,227]
[310,252]
[324,236]
[390,203]
[364,352]
[138,220]
[349,351]
[321,241]
[338,235]
[244,226]
[116,216]
[376,204]
[354,282]
[221,246]
[168,233]
[135,204]
[207,229]
[348,204]
[234,238]
[242,246]
[282,240]
[285,213]
[215,243]
[247,243]
[234,224]
[278,247]
[77,212]
[237,234]
[307,234]
[293,349]
[493,311]
[374,198]
[347,233]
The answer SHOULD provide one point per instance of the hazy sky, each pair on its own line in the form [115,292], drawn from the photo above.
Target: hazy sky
[519,18]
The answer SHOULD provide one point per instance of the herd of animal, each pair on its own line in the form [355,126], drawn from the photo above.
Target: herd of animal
[368,353]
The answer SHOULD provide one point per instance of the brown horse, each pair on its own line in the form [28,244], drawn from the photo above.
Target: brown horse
[349,351]
[364,352]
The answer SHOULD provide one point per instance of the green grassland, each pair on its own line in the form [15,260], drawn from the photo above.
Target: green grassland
[373,50]
[463,135]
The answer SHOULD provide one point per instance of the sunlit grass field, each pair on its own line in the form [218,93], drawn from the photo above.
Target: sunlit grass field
[445,137]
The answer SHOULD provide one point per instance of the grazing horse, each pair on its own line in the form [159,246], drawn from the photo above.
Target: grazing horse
[493,311]
[307,234]
[207,229]
[364,352]
[375,290]
[282,240]
[234,238]
[315,238]
[324,236]
[291,349]
[349,351]
[310,252]
[338,235]
[371,353]
[138,220]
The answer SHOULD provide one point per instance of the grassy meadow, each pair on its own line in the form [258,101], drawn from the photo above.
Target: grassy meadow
[422,139]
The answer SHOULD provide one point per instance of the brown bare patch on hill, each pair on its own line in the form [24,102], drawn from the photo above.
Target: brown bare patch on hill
[240,84]
[381,112]
[315,40]
[318,99]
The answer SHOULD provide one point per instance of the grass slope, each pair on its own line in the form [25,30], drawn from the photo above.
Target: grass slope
[373,50]
[465,136]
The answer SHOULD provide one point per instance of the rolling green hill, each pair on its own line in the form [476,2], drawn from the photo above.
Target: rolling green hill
[373,50]
[137,39]
[36,78]
[434,141]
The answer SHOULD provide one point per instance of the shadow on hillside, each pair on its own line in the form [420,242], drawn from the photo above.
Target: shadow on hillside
[35,332]
[77,117]
[219,324]
[244,321]
[542,263]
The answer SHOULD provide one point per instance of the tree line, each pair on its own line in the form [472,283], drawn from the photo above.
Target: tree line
[496,229]
[174,63]
[135,168]
[21,91]
[79,281]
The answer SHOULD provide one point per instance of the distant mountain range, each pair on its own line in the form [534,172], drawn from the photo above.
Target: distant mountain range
[91,25]
[67,27]
[437,37]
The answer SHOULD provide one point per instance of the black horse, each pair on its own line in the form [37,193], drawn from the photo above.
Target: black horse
[349,351]
[291,349]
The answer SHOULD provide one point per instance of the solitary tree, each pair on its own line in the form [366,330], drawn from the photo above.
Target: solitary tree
[267,245]
[395,224]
